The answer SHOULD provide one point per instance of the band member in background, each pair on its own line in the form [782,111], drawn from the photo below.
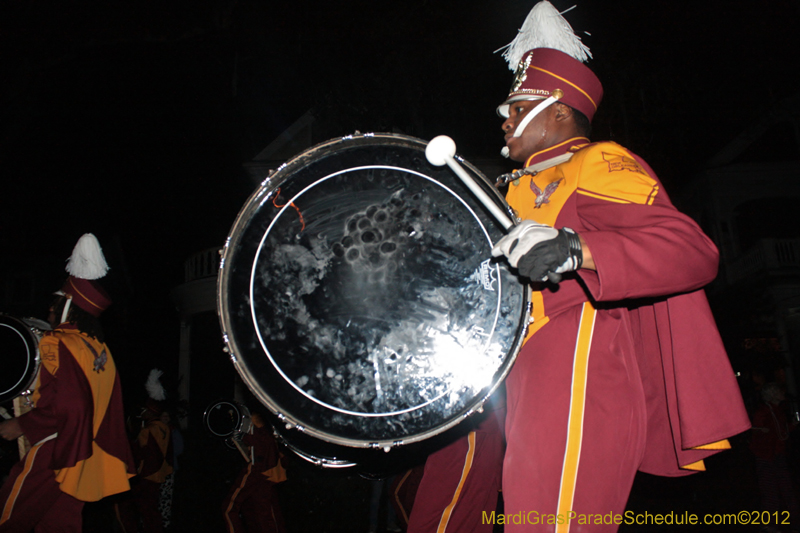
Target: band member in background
[80,452]
[769,442]
[251,505]
[623,368]
[168,487]
[153,454]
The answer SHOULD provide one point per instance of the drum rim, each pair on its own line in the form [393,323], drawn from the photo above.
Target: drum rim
[244,412]
[32,367]
[261,194]
[322,462]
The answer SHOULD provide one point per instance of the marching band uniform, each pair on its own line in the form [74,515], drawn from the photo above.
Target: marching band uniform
[623,368]
[253,494]
[620,382]
[80,451]
[153,453]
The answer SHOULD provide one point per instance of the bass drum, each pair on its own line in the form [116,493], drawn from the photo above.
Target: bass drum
[19,345]
[358,298]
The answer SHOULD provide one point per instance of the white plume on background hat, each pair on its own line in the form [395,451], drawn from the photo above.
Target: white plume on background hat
[87,261]
[544,27]
[153,385]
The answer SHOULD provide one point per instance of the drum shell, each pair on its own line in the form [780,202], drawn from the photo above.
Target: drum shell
[19,344]
[383,167]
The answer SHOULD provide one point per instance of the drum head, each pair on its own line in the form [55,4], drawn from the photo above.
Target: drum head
[358,297]
[225,417]
[20,357]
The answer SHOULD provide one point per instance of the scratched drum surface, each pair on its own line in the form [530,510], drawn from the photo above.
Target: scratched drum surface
[359,299]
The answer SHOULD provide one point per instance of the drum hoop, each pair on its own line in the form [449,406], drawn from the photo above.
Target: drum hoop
[253,277]
[244,413]
[263,193]
[324,462]
[29,338]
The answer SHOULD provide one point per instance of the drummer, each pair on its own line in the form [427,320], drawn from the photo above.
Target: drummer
[80,450]
[253,498]
[621,331]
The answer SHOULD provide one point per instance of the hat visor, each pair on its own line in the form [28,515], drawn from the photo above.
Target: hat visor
[502,109]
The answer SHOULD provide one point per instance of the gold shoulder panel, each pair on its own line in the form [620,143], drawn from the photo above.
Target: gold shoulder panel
[609,172]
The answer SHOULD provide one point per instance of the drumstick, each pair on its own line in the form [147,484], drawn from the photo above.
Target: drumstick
[5,413]
[440,151]
[241,450]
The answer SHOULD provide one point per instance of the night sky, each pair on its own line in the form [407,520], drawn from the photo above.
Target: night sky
[132,120]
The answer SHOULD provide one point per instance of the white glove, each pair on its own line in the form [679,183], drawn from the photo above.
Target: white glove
[541,252]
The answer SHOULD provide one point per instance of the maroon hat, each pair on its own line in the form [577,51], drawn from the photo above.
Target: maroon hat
[87,294]
[543,71]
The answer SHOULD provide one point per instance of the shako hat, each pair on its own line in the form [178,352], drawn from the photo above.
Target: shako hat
[85,265]
[548,60]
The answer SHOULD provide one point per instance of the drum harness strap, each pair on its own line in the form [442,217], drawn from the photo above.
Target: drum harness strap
[505,179]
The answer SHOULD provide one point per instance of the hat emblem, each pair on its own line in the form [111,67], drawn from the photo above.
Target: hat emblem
[522,72]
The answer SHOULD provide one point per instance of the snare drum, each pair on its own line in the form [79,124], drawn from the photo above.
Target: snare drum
[358,298]
[19,344]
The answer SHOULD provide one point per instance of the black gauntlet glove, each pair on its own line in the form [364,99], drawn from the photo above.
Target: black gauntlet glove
[541,252]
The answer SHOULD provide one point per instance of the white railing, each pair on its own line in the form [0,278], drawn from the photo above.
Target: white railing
[767,256]
[201,265]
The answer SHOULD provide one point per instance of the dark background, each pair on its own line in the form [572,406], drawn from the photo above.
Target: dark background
[132,120]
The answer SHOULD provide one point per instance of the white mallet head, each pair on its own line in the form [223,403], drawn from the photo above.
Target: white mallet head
[440,149]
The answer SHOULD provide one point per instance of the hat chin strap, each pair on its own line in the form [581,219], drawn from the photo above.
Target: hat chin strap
[530,116]
[65,312]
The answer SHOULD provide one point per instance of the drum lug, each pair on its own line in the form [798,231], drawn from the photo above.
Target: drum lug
[27,395]
[385,447]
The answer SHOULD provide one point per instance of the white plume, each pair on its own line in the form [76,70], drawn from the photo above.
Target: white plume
[544,27]
[153,385]
[87,261]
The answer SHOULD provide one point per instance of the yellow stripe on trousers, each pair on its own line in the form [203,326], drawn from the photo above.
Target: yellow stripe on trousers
[448,512]
[577,407]
[397,501]
[228,522]
[17,488]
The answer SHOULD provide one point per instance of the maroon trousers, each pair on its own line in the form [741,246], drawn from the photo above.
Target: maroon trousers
[461,483]
[252,505]
[575,426]
[31,499]
[140,503]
